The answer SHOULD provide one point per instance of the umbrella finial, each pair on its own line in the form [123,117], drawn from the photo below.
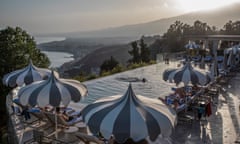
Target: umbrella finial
[30,63]
[129,92]
[53,74]
[130,84]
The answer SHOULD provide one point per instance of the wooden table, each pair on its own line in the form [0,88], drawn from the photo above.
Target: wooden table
[82,127]
[69,134]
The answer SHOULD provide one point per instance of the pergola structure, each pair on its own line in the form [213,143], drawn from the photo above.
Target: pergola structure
[216,39]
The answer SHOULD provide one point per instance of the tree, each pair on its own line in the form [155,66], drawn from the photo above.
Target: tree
[109,64]
[134,53]
[173,38]
[17,47]
[145,52]
[231,27]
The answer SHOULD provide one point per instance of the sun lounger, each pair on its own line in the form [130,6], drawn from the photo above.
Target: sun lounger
[180,108]
[39,115]
[185,118]
[22,107]
[75,114]
[61,121]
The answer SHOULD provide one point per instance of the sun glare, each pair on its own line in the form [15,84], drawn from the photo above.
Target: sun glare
[196,5]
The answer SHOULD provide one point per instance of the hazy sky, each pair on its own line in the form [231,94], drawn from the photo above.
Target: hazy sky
[55,16]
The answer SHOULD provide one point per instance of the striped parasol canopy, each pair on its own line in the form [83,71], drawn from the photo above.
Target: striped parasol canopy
[234,50]
[187,75]
[236,46]
[231,56]
[129,116]
[54,91]
[192,45]
[26,76]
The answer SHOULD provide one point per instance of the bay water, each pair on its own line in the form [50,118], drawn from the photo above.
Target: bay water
[56,58]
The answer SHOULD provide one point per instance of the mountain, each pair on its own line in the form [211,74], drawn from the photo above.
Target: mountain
[217,17]
[95,58]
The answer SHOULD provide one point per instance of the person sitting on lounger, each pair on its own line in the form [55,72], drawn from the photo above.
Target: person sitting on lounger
[63,114]
[66,117]
[176,104]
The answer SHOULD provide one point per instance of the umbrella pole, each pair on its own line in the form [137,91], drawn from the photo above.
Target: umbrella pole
[56,134]
[186,99]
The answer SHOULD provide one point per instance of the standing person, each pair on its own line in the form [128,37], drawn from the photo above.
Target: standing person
[201,111]
[208,109]
[26,113]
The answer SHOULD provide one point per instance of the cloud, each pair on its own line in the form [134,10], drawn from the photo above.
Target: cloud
[165,5]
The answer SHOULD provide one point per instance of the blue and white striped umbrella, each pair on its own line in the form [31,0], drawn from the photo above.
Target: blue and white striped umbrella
[186,75]
[54,91]
[192,45]
[231,56]
[236,46]
[129,116]
[234,50]
[26,76]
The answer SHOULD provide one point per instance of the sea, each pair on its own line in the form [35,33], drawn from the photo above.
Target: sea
[117,84]
[56,58]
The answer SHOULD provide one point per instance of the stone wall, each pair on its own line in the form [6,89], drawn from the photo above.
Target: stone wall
[13,138]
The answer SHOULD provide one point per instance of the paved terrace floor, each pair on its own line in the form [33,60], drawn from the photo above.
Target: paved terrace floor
[220,128]
[223,126]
